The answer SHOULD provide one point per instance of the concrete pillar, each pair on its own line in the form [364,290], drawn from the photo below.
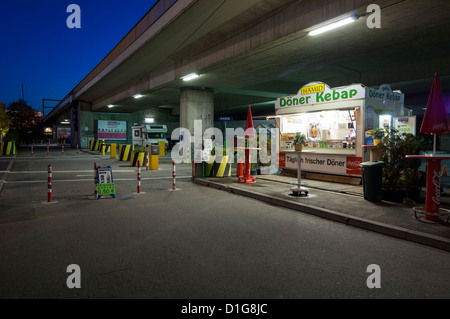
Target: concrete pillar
[196,104]
[75,124]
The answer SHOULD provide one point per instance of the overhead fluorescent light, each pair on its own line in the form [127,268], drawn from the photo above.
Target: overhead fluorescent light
[149,120]
[190,76]
[110,106]
[137,96]
[334,25]
[65,122]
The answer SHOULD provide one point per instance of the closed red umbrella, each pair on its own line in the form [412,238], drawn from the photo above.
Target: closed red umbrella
[435,120]
[249,124]
[249,133]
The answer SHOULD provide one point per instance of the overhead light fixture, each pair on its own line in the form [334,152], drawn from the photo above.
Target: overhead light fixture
[110,106]
[149,120]
[190,76]
[137,96]
[65,122]
[334,25]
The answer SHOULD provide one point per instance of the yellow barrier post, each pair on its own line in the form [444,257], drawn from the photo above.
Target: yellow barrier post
[162,148]
[154,160]
[113,152]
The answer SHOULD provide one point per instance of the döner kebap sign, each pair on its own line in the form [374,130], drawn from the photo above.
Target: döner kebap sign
[318,93]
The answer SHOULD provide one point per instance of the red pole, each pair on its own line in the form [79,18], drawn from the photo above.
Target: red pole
[49,196]
[147,153]
[433,193]
[240,170]
[139,177]
[173,175]
[193,168]
[95,179]
[77,149]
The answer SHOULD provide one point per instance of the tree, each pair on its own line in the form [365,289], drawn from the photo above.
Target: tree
[4,123]
[23,117]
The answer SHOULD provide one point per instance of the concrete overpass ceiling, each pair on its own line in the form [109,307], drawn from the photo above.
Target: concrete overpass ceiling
[412,44]
[192,29]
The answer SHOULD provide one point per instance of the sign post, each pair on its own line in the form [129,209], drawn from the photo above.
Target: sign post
[105,182]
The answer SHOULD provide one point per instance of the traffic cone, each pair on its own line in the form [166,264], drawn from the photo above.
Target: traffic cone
[444,172]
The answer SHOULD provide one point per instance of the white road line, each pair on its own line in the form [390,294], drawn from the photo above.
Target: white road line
[90,180]
[78,171]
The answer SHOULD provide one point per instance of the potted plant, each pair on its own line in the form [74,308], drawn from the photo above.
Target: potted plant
[377,134]
[299,141]
[138,154]
[401,177]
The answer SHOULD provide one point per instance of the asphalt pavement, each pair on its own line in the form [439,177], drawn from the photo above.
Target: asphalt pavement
[237,241]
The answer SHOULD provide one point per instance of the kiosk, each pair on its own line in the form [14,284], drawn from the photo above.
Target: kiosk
[337,123]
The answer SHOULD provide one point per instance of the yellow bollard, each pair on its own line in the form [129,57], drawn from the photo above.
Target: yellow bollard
[113,151]
[162,148]
[154,161]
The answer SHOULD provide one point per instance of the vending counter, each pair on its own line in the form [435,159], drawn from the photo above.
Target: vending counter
[336,123]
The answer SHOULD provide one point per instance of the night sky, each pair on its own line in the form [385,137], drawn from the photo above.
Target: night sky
[40,51]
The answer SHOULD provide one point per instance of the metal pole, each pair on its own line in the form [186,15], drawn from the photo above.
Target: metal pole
[299,175]
[193,168]
[49,194]
[434,144]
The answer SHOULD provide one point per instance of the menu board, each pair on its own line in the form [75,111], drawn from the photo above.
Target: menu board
[105,182]
[405,124]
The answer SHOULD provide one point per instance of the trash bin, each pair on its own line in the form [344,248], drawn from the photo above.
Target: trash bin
[200,170]
[372,173]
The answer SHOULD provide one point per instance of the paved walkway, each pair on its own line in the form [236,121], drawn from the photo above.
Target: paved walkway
[346,204]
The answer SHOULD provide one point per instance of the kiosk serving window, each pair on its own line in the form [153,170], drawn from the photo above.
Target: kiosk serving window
[333,130]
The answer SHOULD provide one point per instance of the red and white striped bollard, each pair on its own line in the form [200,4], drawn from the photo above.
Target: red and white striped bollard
[95,179]
[146,164]
[49,196]
[139,177]
[173,176]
